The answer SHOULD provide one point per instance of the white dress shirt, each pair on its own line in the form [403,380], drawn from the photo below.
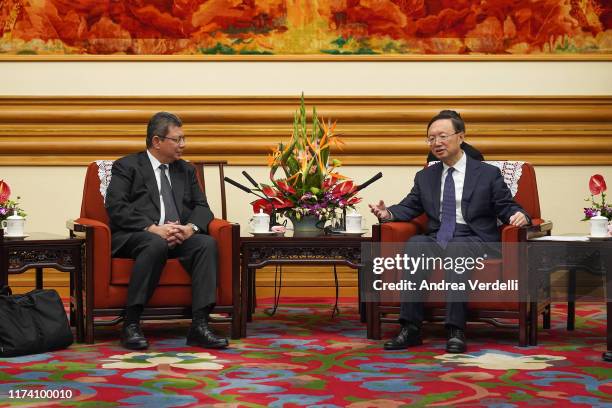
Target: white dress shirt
[157,171]
[459,179]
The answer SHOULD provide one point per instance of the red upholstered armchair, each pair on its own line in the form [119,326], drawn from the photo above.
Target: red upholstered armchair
[508,267]
[106,282]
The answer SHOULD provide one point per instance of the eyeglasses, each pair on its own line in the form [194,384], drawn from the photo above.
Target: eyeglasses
[443,138]
[179,140]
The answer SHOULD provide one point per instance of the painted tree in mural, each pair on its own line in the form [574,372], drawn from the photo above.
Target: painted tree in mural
[305,26]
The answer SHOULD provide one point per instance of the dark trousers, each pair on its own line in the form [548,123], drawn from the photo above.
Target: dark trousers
[198,255]
[463,244]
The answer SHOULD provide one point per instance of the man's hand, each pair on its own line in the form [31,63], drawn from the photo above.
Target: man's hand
[172,232]
[167,232]
[380,211]
[518,219]
[182,233]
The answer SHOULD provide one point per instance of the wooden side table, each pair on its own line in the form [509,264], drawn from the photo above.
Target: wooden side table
[43,250]
[259,251]
[544,257]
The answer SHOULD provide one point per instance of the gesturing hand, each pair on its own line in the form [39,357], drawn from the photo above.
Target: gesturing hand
[380,211]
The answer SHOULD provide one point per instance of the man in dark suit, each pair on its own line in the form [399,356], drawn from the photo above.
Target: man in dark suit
[463,198]
[158,211]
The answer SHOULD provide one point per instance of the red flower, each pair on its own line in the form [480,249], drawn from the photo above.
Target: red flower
[5,191]
[343,189]
[597,184]
[283,185]
[266,205]
[353,200]
[330,181]
[281,202]
[262,204]
[269,191]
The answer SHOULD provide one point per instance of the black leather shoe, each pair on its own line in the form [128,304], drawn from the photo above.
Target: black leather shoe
[201,335]
[456,341]
[132,337]
[409,335]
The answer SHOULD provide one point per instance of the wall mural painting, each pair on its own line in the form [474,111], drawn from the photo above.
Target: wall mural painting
[306,27]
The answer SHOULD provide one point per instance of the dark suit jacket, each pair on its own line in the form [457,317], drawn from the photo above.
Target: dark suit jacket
[132,197]
[485,198]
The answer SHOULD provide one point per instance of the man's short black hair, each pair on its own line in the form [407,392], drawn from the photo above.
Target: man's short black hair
[455,118]
[159,125]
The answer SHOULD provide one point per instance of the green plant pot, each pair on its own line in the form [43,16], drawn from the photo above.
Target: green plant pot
[306,225]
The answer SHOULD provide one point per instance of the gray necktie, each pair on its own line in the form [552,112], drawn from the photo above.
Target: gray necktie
[166,192]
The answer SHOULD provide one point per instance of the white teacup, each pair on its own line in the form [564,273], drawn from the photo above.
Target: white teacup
[260,222]
[599,226]
[354,222]
[14,226]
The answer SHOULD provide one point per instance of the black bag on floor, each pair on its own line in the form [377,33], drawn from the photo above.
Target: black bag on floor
[32,323]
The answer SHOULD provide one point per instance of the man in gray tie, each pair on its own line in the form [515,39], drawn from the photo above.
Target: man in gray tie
[157,211]
[463,198]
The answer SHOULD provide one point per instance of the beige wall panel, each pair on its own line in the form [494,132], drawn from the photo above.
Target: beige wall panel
[313,78]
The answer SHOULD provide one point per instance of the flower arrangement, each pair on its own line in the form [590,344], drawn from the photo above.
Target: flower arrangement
[309,183]
[597,185]
[7,207]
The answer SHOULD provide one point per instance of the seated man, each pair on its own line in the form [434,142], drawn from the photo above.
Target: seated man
[158,211]
[439,191]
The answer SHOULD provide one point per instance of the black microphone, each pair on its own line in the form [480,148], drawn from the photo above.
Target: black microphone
[253,182]
[243,188]
[370,181]
[237,184]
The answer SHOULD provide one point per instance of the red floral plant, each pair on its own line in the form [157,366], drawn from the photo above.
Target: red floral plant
[310,183]
[597,185]
[5,191]
[7,206]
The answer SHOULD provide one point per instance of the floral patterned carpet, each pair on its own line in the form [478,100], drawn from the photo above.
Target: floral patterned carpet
[304,357]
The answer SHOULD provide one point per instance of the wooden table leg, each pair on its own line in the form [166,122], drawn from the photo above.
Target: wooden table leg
[39,278]
[244,293]
[571,299]
[533,324]
[607,355]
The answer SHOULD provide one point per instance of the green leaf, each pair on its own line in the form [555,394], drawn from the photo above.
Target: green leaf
[315,385]
[519,396]
[443,396]
[260,355]
[340,41]
[601,373]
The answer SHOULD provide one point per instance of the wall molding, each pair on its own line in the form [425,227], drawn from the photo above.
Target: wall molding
[68,130]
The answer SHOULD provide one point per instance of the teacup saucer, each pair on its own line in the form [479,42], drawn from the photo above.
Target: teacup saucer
[353,233]
[590,238]
[16,236]
[265,233]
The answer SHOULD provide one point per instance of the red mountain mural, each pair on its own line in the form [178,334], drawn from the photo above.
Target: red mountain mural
[305,27]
